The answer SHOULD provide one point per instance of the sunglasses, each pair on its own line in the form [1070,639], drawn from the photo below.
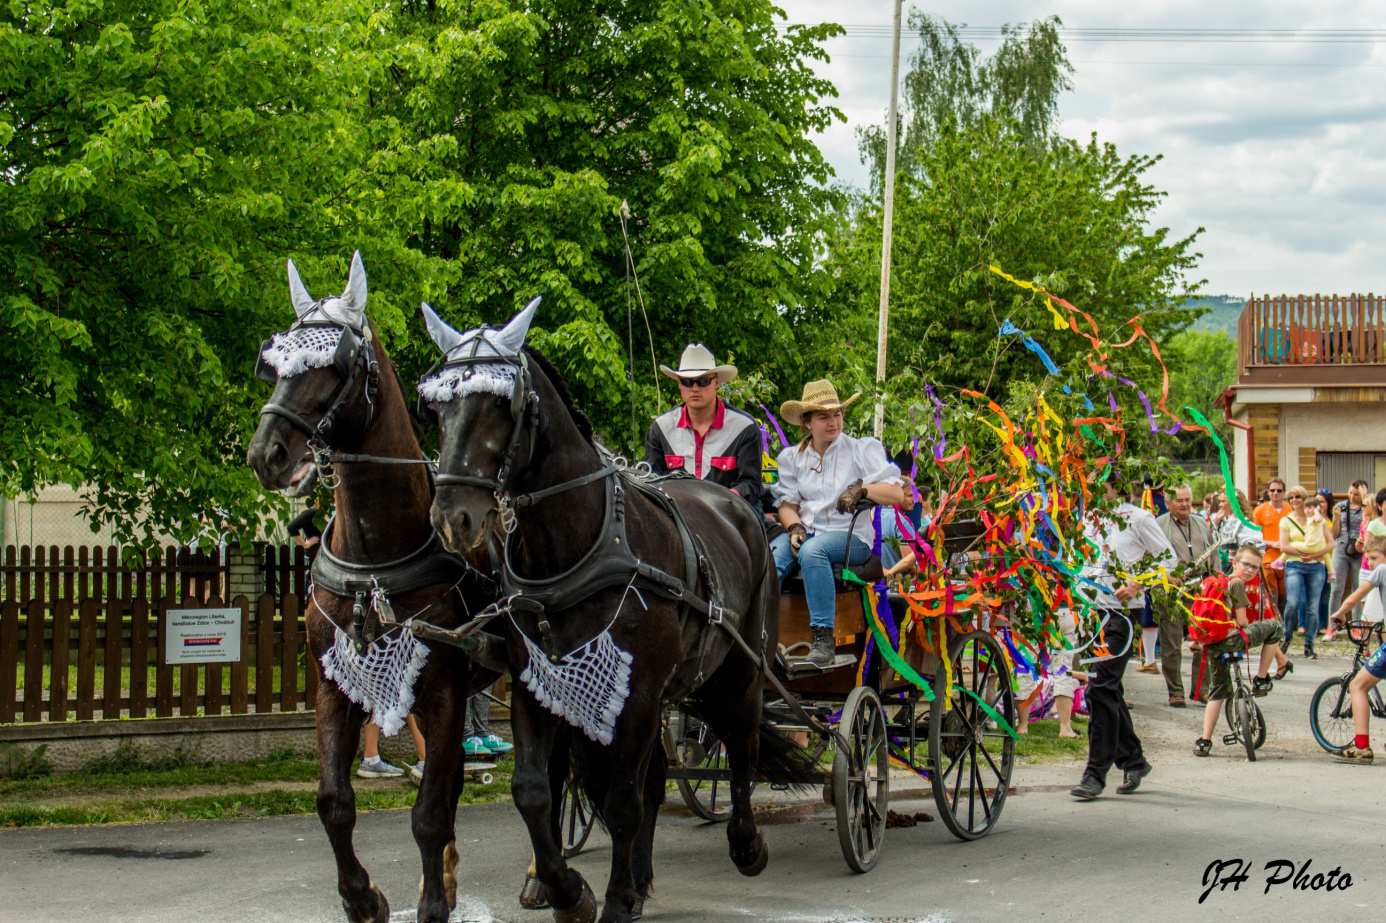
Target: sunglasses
[703,382]
[1275,490]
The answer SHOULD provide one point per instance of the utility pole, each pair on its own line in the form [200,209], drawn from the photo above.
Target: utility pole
[883,318]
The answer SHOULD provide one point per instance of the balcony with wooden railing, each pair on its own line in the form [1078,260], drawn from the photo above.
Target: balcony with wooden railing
[1313,340]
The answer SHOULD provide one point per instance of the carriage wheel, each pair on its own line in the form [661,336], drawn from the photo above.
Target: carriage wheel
[861,779]
[970,758]
[699,748]
[575,818]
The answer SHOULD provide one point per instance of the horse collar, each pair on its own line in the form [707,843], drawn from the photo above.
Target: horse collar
[427,565]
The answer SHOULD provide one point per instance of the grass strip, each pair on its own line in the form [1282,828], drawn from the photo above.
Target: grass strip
[96,779]
[273,803]
[1042,742]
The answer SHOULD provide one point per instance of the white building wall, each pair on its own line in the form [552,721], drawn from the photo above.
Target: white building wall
[1329,427]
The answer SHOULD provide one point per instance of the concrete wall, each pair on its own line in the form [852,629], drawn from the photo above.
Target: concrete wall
[53,516]
[228,738]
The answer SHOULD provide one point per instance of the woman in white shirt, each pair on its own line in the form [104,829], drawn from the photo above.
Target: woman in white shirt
[821,481]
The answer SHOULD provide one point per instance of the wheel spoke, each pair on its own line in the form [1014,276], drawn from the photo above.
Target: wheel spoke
[999,776]
[982,792]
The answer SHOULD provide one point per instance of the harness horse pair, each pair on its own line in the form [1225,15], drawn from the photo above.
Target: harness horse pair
[615,596]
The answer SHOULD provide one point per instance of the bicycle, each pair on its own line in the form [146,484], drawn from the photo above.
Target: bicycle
[1330,708]
[1244,716]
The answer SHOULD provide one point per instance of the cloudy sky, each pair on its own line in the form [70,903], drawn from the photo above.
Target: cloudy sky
[1277,149]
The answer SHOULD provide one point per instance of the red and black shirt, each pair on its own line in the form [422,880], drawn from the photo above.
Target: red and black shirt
[727,454]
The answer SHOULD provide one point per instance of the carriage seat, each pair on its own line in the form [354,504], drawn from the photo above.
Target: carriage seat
[870,570]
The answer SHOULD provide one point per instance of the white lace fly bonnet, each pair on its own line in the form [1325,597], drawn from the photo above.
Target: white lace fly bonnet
[312,342]
[497,378]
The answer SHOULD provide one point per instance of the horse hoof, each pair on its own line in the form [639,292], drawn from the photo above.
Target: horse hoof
[534,896]
[450,859]
[584,911]
[758,864]
[380,913]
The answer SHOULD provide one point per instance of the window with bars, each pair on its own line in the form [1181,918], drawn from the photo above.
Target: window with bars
[1337,470]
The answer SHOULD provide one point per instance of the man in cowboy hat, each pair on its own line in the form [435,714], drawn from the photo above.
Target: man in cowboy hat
[703,436]
[821,481]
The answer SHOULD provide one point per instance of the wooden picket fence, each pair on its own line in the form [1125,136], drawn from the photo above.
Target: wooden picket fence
[49,572]
[65,657]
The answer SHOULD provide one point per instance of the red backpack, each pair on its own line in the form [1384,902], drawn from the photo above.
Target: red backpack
[1212,616]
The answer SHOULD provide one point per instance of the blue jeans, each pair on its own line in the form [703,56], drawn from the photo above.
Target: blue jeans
[817,555]
[1303,586]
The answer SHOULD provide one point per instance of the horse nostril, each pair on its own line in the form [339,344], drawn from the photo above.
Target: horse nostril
[276,455]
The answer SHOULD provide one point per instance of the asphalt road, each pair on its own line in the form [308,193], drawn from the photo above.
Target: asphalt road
[1137,857]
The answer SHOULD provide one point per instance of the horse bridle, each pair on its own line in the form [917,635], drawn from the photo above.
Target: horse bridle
[524,417]
[354,358]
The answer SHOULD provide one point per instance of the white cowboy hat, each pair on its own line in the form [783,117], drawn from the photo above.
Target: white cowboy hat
[697,361]
[818,396]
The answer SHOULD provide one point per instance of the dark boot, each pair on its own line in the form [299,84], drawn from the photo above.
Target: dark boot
[824,649]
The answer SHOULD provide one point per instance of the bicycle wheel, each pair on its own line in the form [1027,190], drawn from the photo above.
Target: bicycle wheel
[700,750]
[1330,714]
[1246,722]
[1259,738]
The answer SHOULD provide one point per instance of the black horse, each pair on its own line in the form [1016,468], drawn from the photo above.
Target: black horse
[337,401]
[615,561]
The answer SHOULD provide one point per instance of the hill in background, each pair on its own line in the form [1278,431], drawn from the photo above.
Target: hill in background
[1222,313]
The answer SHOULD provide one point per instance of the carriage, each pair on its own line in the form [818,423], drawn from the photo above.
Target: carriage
[865,720]
[602,666]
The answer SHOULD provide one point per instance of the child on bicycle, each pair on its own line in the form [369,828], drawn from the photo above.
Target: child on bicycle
[1253,630]
[1374,670]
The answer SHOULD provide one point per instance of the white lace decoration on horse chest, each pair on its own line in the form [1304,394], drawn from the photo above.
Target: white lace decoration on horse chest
[588,686]
[301,349]
[382,679]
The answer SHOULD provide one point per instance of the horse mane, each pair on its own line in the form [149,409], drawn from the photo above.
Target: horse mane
[560,385]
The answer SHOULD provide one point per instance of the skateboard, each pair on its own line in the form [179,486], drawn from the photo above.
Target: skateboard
[472,772]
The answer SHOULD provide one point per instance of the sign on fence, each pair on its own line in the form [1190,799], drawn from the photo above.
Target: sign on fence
[203,636]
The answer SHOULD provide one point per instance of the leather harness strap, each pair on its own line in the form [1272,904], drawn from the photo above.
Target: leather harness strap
[610,562]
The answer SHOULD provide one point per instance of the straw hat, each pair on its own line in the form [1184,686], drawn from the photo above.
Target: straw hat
[696,362]
[818,396]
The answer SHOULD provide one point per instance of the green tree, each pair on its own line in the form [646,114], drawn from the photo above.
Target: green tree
[950,85]
[989,182]
[1202,366]
[161,159]
[517,130]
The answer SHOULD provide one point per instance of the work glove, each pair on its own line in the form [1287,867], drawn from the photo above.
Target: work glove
[797,536]
[851,497]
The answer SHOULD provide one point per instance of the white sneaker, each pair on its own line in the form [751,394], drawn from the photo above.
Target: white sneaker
[416,771]
[376,768]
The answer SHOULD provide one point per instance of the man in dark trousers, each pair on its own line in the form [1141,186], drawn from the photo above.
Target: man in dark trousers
[703,435]
[303,528]
[1124,536]
[1190,537]
[1347,547]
